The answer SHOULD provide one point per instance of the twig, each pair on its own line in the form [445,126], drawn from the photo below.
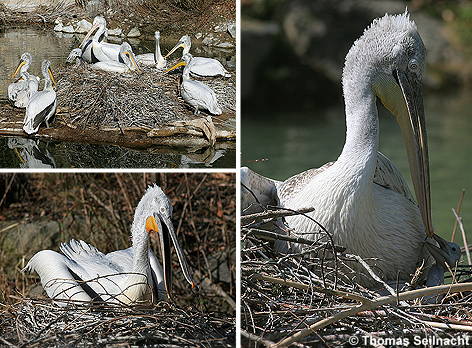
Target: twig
[458,210]
[273,214]
[464,238]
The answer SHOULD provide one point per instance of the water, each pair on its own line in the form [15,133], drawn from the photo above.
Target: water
[46,44]
[294,143]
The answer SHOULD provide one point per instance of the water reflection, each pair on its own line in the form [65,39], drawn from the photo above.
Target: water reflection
[47,44]
[294,143]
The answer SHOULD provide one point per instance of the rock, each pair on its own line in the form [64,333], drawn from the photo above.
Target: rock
[58,27]
[220,28]
[224,45]
[232,29]
[134,32]
[209,40]
[58,21]
[83,26]
[198,36]
[68,29]
[115,32]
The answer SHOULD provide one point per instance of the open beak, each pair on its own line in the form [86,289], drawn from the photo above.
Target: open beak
[18,68]
[444,254]
[178,65]
[90,32]
[413,127]
[176,47]
[51,75]
[166,235]
[133,60]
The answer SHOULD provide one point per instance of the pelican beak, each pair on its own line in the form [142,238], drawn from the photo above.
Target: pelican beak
[133,61]
[18,68]
[176,47]
[166,234]
[90,32]
[178,65]
[51,75]
[443,254]
[401,95]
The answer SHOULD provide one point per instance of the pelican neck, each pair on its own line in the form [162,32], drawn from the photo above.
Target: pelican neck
[140,239]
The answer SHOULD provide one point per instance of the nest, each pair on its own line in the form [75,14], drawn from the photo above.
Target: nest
[307,298]
[39,323]
[92,98]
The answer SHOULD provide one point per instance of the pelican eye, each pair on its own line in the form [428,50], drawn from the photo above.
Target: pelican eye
[163,210]
[413,65]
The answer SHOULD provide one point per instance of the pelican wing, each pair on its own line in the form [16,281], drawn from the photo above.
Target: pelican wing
[111,66]
[256,188]
[146,59]
[41,107]
[200,96]
[202,66]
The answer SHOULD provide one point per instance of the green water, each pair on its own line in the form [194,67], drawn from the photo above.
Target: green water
[291,143]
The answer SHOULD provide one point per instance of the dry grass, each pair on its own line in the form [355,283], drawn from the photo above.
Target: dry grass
[311,298]
[98,208]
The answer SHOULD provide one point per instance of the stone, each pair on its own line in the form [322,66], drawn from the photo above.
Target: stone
[208,40]
[58,27]
[220,28]
[224,45]
[115,32]
[58,21]
[232,29]
[134,32]
[83,26]
[198,36]
[68,29]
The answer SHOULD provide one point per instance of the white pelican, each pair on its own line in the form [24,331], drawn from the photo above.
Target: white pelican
[361,198]
[96,50]
[42,105]
[129,276]
[155,58]
[26,85]
[201,66]
[126,55]
[196,93]
[75,55]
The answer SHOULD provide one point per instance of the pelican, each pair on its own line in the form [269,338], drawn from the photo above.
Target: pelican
[29,154]
[201,66]
[155,58]
[22,89]
[196,93]
[75,55]
[361,198]
[42,105]
[129,276]
[126,55]
[96,50]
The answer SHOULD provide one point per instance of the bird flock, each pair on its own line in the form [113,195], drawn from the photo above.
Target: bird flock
[100,55]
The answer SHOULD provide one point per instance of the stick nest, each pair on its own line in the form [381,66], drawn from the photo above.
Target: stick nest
[97,99]
[284,294]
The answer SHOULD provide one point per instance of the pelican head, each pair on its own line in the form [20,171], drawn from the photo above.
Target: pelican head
[127,54]
[47,73]
[447,253]
[391,56]
[154,210]
[184,42]
[98,22]
[23,65]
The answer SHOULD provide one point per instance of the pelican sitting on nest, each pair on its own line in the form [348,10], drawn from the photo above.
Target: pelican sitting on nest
[102,48]
[75,55]
[129,276]
[22,89]
[201,66]
[42,105]
[155,58]
[196,93]
[126,55]
[362,199]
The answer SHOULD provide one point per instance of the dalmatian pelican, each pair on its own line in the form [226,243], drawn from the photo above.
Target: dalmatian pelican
[201,66]
[361,198]
[96,50]
[196,93]
[129,276]
[26,85]
[156,59]
[126,56]
[42,105]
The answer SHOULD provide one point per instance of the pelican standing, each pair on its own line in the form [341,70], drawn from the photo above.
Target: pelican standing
[361,198]
[42,105]
[21,90]
[196,93]
[155,58]
[126,55]
[201,66]
[129,276]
